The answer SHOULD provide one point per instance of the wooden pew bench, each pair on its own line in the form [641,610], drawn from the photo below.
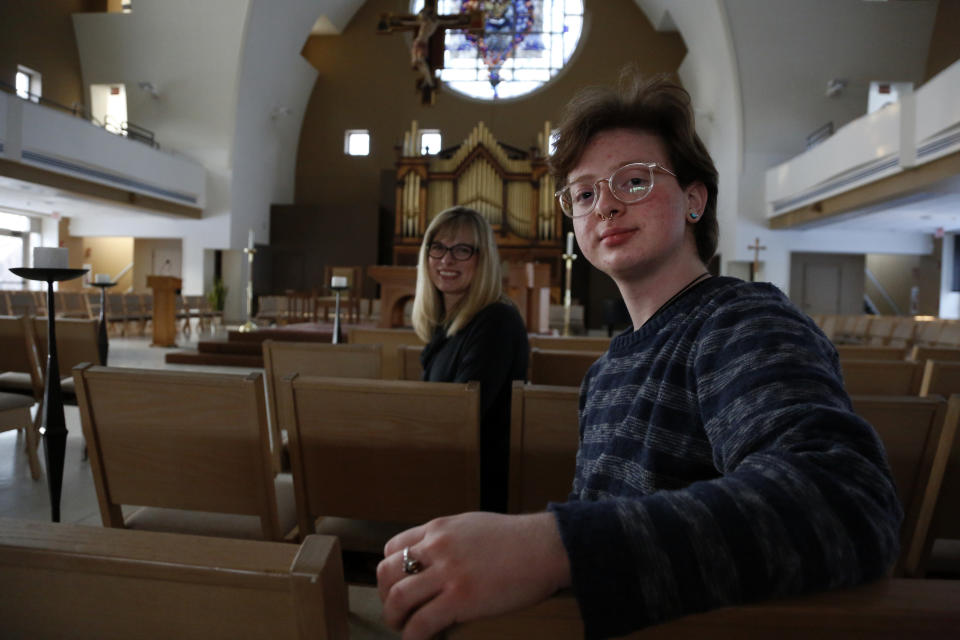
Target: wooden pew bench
[72,581]
[891,609]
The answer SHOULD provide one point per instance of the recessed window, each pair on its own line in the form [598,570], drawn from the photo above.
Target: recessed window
[28,83]
[430,140]
[523,45]
[357,142]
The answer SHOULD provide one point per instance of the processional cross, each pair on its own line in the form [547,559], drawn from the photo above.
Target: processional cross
[756,247]
[426,53]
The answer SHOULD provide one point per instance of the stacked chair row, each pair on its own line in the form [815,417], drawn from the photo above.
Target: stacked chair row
[892,331]
[127,313]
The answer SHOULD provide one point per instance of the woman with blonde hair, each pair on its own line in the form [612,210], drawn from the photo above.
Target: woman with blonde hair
[472,331]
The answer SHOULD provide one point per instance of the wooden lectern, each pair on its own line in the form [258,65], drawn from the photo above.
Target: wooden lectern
[165,291]
[397,286]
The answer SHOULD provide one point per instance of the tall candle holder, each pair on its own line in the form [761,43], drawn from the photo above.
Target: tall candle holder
[249,325]
[53,426]
[103,345]
[568,258]
[337,290]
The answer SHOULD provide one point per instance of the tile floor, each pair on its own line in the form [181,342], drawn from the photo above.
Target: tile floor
[23,497]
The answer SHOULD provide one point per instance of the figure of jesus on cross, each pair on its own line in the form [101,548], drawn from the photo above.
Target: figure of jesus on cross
[426,53]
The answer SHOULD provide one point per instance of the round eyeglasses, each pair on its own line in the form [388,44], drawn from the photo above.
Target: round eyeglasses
[458,252]
[630,183]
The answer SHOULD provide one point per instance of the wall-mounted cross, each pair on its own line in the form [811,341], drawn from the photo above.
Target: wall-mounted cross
[426,53]
[756,247]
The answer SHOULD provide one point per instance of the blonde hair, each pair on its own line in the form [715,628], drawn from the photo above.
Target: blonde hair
[485,288]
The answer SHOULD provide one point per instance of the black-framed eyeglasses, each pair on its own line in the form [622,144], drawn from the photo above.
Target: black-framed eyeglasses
[458,252]
[630,183]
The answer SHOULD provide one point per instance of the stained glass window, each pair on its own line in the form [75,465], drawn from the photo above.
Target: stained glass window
[523,45]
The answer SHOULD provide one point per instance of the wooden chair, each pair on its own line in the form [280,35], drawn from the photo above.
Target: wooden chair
[828,324]
[870,352]
[928,332]
[20,364]
[888,609]
[136,311]
[73,581]
[311,359]
[180,443]
[918,434]
[390,339]
[116,313]
[301,307]
[270,309]
[544,436]
[22,303]
[880,330]
[391,452]
[564,368]
[949,335]
[77,342]
[570,343]
[882,377]
[409,358]
[72,304]
[903,333]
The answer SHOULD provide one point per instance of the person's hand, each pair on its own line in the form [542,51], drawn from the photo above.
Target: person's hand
[472,565]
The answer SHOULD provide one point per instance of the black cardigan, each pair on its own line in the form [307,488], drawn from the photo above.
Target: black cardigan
[493,350]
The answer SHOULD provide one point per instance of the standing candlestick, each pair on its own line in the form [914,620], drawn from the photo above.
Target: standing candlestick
[568,258]
[249,326]
[339,285]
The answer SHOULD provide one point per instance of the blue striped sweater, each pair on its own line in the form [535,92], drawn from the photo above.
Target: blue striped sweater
[720,463]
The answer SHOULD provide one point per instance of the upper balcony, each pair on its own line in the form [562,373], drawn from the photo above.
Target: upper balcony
[902,150]
[51,147]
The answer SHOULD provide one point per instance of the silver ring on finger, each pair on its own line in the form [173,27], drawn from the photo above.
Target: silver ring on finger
[410,565]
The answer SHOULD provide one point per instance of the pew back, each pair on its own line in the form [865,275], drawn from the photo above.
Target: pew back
[194,441]
[887,609]
[76,581]
[77,342]
[390,339]
[544,436]
[409,358]
[882,377]
[917,434]
[281,358]
[943,378]
[561,368]
[870,352]
[596,345]
[382,450]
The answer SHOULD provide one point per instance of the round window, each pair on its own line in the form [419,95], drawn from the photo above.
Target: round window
[522,45]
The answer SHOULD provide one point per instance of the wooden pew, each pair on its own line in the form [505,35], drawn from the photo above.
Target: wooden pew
[408,357]
[904,331]
[927,332]
[544,436]
[870,352]
[72,581]
[77,342]
[385,451]
[882,377]
[921,354]
[942,554]
[20,367]
[889,609]
[918,435]
[597,345]
[282,358]
[390,339]
[949,335]
[192,448]
[562,368]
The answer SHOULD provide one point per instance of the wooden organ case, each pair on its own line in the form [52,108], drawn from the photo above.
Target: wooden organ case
[511,188]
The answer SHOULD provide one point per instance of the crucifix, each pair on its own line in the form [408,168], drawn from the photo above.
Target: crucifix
[426,53]
[756,247]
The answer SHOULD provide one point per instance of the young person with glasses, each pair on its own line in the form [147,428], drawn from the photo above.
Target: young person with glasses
[473,332]
[720,461]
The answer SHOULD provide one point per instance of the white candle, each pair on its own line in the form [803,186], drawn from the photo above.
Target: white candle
[569,243]
[338,282]
[250,238]
[50,258]
[102,277]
